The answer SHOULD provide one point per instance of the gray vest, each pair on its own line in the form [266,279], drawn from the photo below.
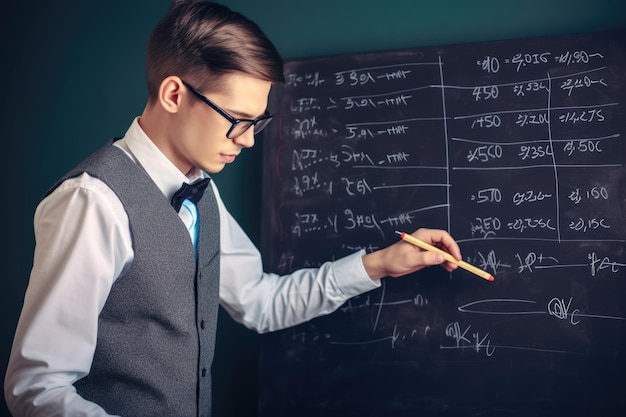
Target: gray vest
[156,332]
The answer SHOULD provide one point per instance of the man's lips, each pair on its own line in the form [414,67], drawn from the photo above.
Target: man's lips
[229,157]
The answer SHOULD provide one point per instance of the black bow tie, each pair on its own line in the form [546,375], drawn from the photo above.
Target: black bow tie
[192,192]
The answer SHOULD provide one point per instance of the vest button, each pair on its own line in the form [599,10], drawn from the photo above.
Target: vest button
[202,324]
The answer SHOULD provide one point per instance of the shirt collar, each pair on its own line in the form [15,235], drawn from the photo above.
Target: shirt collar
[160,169]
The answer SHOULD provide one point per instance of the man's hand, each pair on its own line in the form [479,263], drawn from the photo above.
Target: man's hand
[402,258]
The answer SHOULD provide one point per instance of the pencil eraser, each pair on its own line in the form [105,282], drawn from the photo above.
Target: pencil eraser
[491,278]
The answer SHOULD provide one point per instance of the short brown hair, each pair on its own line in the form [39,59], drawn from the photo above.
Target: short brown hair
[201,41]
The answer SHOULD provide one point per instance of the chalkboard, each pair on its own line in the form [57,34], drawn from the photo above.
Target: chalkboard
[515,147]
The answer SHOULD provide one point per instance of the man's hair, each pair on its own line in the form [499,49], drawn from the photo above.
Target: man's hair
[200,41]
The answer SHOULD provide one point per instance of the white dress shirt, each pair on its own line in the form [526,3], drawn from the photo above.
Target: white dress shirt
[83,244]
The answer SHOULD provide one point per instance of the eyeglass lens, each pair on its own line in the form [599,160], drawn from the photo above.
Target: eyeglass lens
[240,126]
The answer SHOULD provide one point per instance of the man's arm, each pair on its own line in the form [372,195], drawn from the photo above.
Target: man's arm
[81,245]
[268,302]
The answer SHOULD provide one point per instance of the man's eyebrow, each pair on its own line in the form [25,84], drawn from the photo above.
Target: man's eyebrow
[244,115]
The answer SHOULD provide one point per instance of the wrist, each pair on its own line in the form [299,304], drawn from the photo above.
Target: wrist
[374,264]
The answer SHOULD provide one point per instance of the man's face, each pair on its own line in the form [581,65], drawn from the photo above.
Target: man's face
[203,142]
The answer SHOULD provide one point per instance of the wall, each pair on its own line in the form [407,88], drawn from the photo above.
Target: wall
[72,77]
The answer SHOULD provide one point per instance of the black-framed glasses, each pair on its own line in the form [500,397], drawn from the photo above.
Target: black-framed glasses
[239,126]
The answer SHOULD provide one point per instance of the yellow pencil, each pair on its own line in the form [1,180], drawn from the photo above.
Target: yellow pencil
[468,267]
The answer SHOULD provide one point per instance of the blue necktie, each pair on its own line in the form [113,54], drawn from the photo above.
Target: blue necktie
[187,197]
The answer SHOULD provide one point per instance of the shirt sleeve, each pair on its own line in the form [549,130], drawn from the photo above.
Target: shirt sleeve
[82,246]
[267,302]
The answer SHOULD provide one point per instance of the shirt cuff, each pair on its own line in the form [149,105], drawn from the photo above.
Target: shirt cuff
[351,276]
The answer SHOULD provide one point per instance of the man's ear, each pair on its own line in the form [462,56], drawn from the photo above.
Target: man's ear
[170,93]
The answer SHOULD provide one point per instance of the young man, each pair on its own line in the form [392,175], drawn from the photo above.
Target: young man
[119,317]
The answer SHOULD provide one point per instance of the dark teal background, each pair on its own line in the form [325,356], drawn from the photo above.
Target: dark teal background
[72,77]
